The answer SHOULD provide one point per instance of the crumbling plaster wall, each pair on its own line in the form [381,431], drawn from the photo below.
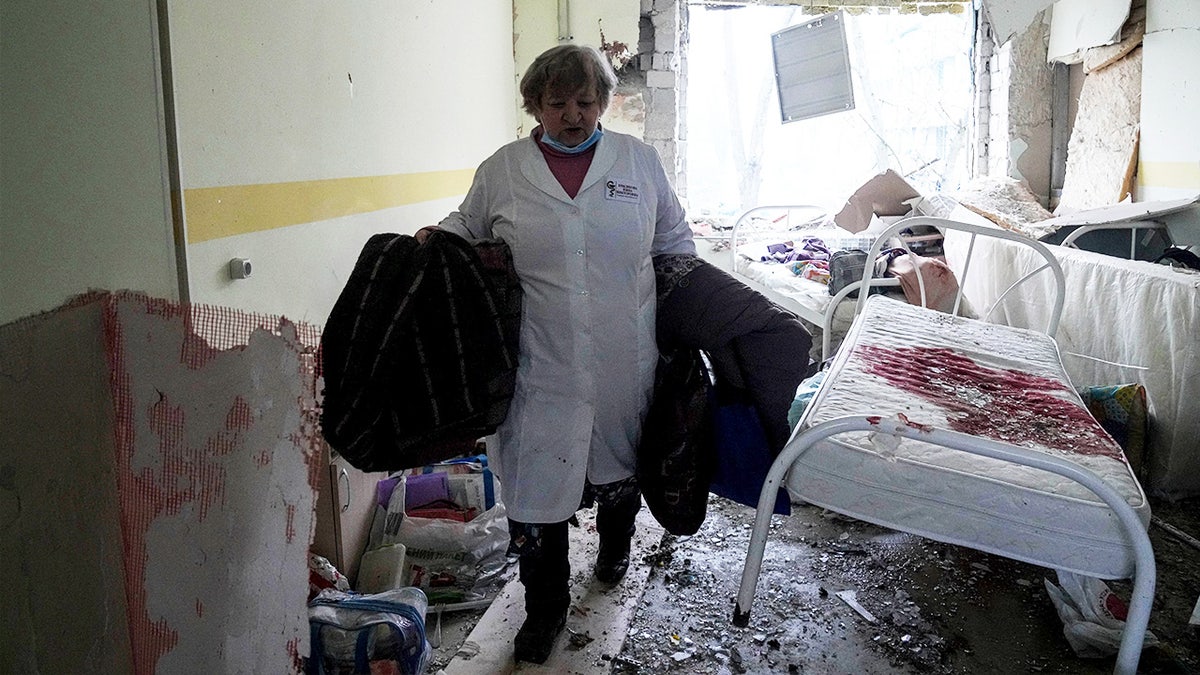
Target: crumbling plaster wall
[157,488]
[1016,87]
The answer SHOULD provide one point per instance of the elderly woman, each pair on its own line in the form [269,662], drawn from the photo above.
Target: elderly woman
[583,210]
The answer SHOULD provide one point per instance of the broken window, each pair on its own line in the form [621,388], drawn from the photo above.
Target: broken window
[913,91]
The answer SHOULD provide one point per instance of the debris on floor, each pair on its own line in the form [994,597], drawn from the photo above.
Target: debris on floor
[939,609]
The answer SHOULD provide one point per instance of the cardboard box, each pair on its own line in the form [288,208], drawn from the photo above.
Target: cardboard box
[886,194]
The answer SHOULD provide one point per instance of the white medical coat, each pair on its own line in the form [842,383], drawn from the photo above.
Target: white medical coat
[587,350]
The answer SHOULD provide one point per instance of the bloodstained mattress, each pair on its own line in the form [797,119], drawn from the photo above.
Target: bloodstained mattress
[986,380]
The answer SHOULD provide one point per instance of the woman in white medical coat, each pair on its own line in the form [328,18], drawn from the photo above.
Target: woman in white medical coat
[583,210]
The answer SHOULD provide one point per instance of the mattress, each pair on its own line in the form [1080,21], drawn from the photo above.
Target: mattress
[1122,321]
[987,380]
[812,296]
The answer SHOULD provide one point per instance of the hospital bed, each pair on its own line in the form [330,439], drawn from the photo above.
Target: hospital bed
[827,316]
[969,433]
[1123,321]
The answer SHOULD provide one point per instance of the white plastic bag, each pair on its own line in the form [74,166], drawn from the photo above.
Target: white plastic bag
[450,560]
[1093,616]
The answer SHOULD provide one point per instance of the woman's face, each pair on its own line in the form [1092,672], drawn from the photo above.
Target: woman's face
[570,120]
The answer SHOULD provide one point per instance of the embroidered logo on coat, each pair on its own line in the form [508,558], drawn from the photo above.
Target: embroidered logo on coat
[621,192]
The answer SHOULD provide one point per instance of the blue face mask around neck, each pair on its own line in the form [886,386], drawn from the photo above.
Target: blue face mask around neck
[592,140]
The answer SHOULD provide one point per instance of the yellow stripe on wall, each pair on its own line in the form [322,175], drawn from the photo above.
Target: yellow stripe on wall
[1169,174]
[212,213]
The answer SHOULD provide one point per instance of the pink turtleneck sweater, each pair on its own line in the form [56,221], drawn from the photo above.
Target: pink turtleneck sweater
[568,169]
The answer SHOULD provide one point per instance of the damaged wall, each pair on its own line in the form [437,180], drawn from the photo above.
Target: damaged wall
[1133,106]
[665,69]
[1102,152]
[156,490]
[1018,110]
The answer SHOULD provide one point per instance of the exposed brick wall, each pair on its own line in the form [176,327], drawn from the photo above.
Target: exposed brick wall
[661,61]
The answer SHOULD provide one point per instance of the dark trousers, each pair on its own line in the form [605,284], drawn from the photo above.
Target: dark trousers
[543,565]
[544,569]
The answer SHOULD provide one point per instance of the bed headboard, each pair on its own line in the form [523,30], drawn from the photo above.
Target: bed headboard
[788,216]
[1050,264]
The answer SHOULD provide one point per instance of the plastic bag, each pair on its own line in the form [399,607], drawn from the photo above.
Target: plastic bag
[323,574]
[451,560]
[804,395]
[1093,616]
[382,632]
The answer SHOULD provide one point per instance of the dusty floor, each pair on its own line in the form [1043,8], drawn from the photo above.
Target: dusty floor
[938,608]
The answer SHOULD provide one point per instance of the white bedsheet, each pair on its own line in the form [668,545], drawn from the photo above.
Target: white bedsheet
[1123,321]
[984,379]
[813,296]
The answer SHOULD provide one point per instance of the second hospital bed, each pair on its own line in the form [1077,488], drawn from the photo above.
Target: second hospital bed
[969,433]
[763,229]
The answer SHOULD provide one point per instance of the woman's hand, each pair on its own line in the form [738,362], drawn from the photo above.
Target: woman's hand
[423,233]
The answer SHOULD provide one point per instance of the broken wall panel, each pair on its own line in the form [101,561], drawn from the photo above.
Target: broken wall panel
[1077,25]
[1098,58]
[1009,17]
[196,493]
[64,607]
[1027,106]
[1006,202]
[1102,151]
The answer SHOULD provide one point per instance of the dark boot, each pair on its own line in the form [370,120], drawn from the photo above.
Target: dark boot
[545,572]
[616,510]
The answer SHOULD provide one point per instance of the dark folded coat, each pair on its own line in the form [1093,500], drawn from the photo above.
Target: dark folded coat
[754,344]
[419,354]
[759,353]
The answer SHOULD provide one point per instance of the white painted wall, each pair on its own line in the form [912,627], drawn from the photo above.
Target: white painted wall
[84,199]
[265,94]
[1169,154]
[314,91]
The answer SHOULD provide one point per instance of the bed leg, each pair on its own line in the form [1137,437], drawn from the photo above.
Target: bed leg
[766,506]
[741,618]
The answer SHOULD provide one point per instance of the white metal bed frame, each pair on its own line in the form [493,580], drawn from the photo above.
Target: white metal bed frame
[976,231]
[822,319]
[885,238]
[1132,226]
[804,438]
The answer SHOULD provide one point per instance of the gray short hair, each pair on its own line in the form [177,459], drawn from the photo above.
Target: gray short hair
[564,70]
